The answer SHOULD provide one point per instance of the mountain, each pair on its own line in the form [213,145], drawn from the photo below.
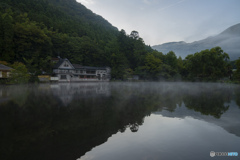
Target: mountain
[50,28]
[228,40]
[34,31]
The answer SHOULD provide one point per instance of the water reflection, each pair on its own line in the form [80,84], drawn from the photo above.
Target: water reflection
[66,92]
[64,121]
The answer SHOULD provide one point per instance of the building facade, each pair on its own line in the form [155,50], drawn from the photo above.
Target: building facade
[65,71]
[4,71]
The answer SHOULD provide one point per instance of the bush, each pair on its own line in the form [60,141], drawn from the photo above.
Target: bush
[19,74]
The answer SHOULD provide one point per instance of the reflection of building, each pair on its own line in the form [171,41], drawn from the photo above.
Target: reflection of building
[4,71]
[67,72]
[4,94]
[67,92]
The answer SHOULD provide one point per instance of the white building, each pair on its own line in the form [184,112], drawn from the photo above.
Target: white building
[4,71]
[67,72]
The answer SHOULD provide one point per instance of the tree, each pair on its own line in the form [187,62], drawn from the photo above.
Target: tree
[119,65]
[6,42]
[32,32]
[153,66]
[19,74]
[236,74]
[134,35]
[180,64]
[171,59]
[207,64]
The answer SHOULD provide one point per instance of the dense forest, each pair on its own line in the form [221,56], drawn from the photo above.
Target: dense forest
[33,32]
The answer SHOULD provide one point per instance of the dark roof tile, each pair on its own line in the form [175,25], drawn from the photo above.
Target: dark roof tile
[57,65]
[77,66]
[3,67]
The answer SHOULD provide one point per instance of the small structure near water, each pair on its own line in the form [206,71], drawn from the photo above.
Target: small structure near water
[65,71]
[5,71]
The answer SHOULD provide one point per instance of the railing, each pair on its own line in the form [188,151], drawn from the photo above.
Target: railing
[73,72]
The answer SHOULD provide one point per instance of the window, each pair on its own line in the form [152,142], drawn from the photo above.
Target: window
[79,71]
[91,72]
[66,65]
[63,77]
[63,71]
[8,74]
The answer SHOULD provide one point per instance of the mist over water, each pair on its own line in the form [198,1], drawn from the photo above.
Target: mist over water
[130,120]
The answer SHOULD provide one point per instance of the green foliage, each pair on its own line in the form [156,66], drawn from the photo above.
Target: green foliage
[119,63]
[171,59]
[207,64]
[32,32]
[6,36]
[19,74]
[152,66]
[236,74]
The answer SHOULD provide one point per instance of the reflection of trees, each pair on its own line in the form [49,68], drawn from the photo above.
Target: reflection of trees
[209,101]
[18,94]
[44,129]
[237,96]
[40,126]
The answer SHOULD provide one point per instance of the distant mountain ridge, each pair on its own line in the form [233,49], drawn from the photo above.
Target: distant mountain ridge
[228,40]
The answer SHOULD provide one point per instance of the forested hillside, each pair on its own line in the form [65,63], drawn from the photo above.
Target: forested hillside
[37,30]
[32,32]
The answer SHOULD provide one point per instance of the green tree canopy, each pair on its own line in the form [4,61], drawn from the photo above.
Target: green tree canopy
[19,74]
[237,72]
[208,64]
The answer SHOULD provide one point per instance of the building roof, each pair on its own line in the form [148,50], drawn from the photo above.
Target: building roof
[5,68]
[58,64]
[77,66]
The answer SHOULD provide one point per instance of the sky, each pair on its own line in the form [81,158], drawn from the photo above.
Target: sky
[162,21]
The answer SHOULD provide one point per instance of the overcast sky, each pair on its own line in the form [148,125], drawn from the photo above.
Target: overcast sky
[161,21]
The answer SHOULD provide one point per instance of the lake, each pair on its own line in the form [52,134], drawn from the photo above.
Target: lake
[119,121]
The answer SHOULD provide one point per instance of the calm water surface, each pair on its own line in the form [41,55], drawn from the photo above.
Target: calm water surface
[116,121]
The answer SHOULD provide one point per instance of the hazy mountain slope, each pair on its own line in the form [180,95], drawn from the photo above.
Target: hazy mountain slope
[228,40]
